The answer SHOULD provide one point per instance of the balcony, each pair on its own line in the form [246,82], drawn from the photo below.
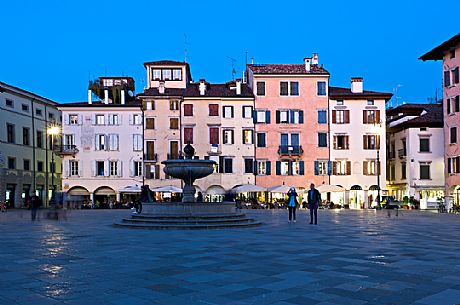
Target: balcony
[214,150]
[151,157]
[290,150]
[66,150]
[402,153]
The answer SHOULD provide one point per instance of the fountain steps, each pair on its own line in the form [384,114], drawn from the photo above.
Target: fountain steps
[188,222]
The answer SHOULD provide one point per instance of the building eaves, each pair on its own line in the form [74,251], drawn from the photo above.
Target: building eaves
[345,93]
[438,52]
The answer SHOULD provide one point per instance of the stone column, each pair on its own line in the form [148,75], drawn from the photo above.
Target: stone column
[366,199]
[347,197]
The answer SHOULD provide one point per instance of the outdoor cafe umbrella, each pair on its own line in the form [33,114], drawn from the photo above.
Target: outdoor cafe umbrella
[132,189]
[167,189]
[327,188]
[249,188]
[279,189]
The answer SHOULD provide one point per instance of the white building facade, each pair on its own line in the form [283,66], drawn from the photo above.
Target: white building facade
[357,144]
[415,153]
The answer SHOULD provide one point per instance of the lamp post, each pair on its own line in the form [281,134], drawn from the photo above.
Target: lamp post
[378,179]
[53,131]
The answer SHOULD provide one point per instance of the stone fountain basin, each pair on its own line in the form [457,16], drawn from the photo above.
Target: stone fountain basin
[188,208]
[188,169]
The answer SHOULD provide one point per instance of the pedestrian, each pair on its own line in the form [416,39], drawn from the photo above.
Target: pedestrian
[199,197]
[313,198]
[35,203]
[292,203]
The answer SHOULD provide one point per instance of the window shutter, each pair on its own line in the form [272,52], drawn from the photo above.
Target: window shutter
[106,168]
[93,119]
[346,116]
[221,164]
[278,168]
[334,167]
[157,171]
[316,168]
[290,168]
[254,116]
[377,116]
[377,141]
[119,119]
[66,119]
[80,119]
[131,168]
[268,168]
[449,164]
[254,169]
[267,116]
[446,78]
[278,117]
[120,168]
[448,105]
[67,169]
[365,117]
[80,168]
[457,165]
[301,117]
[329,168]
[232,111]
[291,116]
[365,167]
[93,169]
[456,76]
[457,103]
[347,142]
[348,167]
[96,143]
[131,119]
[334,116]
[364,142]
[335,142]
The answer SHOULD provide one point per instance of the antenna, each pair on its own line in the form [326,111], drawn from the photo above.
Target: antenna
[233,60]
[246,59]
[185,47]
[395,90]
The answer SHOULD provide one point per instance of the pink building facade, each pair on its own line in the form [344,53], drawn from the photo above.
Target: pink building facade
[449,53]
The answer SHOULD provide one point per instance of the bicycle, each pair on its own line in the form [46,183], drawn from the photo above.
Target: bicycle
[442,208]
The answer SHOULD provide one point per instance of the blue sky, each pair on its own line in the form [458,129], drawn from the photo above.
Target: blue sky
[52,48]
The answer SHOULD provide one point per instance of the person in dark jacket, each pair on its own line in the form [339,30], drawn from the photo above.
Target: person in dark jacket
[313,197]
[35,204]
[292,203]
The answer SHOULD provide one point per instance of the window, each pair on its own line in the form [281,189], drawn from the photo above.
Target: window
[188,135]
[150,123]
[173,123]
[26,164]
[225,165]
[370,168]
[341,168]
[423,128]
[25,107]
[38,112]
[69,140]
[263,116]
[100,119]
[289,116]
[213,135]
[370,102]
[263,167]
[166,74]
[137,168]
[247,112]
[188,110]
[453,104]
[137,142]
[9,103]
[174,105]
[213,110]
[321,168]
[73,168]
[283,116]
[248,136]
[113,119]
[149,105]
[11,163]
[321,88]
[322,116]
[248,166]
[453,135]
[284,88]
[39,139]
[156,74]
[113,165]
[113,142]
[340,116]
[453,165]
[73,119]
[25,136]
[10,136]
[341,142]
[177,74]
[51,116]
[228,136]
[137,119]
[100,142]
[261,139]
[339,102]
[451,77]
[260,88]
[425,170]
[322,139]
[424,144]
[99,168]
[40,166]
[371,116]
[152,171]
[150,151]
[371,141]
[284,168]
[294,88]
[228,112]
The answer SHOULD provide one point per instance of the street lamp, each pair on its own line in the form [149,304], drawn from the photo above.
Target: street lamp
[53,131]
[378,131]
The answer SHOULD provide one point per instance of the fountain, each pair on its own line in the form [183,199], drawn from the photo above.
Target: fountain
[188,214]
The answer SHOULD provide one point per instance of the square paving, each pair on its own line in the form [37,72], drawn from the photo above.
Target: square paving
[351,257]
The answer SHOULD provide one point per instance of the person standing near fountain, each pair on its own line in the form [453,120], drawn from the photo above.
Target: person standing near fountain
[292,203]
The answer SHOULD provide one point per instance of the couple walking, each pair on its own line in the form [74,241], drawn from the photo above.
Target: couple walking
[313,198]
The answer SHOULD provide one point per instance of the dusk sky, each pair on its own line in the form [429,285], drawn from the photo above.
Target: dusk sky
[53,48]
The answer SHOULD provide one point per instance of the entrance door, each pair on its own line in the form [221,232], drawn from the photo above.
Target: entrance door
[174,149]
[10,193]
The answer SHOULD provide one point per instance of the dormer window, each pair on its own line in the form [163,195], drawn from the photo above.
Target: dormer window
[156,74]
[177,74]
[167,74]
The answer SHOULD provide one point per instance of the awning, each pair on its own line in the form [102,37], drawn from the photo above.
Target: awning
[327,188]
[105,191]
[215,190]
[167,189]
[78,191]
[130,189]
[249,188]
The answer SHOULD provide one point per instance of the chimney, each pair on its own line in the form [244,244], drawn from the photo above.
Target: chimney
[238,86]
[122,97]
[202,87]
[161,87]
[307,62]
[356,85]
[314,59]
[90,97]
[106,96]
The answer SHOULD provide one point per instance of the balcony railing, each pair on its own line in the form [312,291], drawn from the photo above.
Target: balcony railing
[66,150]
[291,150]
[402,153]
[150,157]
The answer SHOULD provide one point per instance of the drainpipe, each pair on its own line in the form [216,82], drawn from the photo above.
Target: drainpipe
[143,144]
[47,199]
[33,147]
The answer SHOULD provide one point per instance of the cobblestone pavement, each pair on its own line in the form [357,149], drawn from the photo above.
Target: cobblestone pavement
[351,257]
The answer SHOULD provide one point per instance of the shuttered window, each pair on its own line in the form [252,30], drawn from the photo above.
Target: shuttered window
[188,110]
[213,135]
[188,135]
[213,109]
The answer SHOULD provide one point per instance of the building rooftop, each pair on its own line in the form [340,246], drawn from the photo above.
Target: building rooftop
[6,87]
[165,63]
[168,92]
[100,104]
[438,52]
[426,115]
[345,93]
[219,90]
[286,69]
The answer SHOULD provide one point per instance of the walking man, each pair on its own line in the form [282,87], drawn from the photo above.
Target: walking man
[313,200]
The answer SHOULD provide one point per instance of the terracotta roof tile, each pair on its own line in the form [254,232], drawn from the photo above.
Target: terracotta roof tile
[345,93]
[286,69]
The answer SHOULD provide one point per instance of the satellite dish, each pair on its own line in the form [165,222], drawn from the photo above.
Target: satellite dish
[130,93]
